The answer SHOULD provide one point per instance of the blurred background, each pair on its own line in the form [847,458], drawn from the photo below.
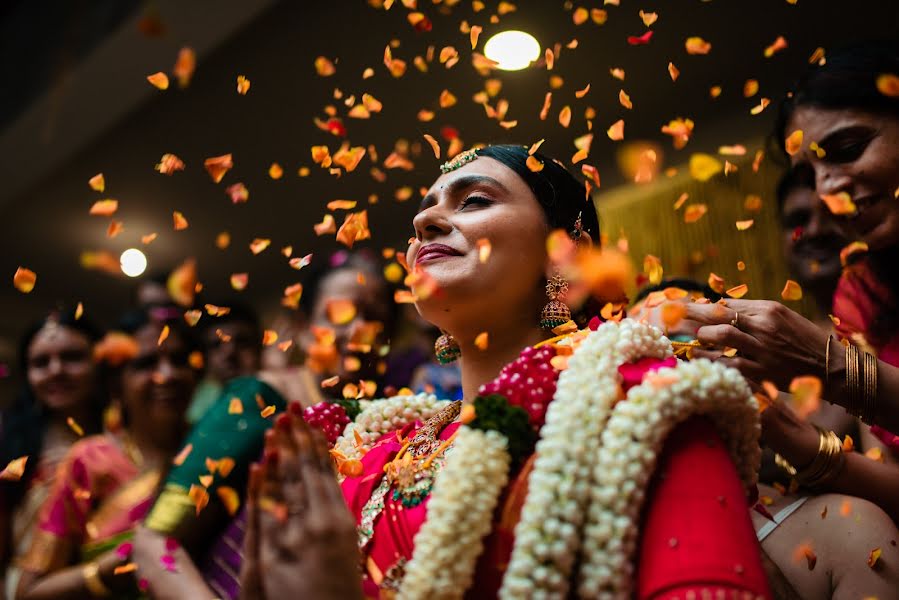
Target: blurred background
[75,102]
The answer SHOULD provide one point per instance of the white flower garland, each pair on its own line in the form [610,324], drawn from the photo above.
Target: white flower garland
[547,537]
[383,416]
[631,443]
[460,515]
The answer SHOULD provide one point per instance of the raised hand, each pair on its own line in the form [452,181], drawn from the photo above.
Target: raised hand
[301,539]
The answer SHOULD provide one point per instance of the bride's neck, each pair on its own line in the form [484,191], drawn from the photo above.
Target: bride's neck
[504,345]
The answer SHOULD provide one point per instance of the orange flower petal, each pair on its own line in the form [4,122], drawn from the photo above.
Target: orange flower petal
[229,498]
[97,183]
[625,100]
[791,291]
[694,212]
[806,395]
[179,222]
[565,116]
[776,46]
[24,280]
[793,142]
[104,208]
[874,557]
[168,164]
[182,455]
[267,411]
[673,71]
[243,85]
[217,166]
[447,99]
[616,131]
[738,291]
[581,93]
[850,250]
[484,247]
[673,313]
[340,311]
[14,470]
[534,164]
[269,337]
[324,67]
[435,146]
[474,34]
[697,45]
[840,203]
[239,281]
[74,426]
[159,80]
[481,341]
[704,166]
[888,85]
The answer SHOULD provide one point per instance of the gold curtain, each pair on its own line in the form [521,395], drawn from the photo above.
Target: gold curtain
[644,214]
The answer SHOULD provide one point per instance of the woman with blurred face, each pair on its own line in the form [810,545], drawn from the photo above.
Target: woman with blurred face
[106,482]
[62,383]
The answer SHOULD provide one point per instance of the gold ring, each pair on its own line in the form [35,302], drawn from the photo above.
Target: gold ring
[735,322]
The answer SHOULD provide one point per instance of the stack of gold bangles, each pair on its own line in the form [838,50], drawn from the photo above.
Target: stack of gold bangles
[861,383]
[826,464]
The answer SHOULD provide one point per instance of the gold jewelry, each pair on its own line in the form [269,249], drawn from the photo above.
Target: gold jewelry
[447,349]
[869,373]
[735,322]
[827,463]
[555,312]
[90,572]
[827,361]
[458,161]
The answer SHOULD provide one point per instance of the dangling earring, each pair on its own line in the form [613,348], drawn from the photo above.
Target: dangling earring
[447,349]
[555,312]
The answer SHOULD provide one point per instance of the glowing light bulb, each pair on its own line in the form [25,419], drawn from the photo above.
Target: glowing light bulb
[512,50]
[133,262]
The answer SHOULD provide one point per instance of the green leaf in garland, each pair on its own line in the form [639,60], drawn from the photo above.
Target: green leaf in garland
[350,406]
[494,412]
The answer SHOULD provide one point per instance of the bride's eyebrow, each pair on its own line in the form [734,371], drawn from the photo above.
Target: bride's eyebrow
[462,183]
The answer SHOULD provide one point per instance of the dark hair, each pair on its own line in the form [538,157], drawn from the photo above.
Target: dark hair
[561,196]
[684,283]
[138,318]
[24,422]
[846,80]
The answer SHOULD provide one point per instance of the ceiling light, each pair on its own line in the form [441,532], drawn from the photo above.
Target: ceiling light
[512,50]
[133,262]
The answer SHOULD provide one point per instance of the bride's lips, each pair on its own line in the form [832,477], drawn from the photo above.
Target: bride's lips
[432,252]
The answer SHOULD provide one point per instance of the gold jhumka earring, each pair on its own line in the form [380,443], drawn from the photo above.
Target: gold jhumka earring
[447,349]
[556,312]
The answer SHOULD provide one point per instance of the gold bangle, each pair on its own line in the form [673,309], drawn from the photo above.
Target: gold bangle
[853,393]
[90,572]
[827,361]
[827,462]
[869,387]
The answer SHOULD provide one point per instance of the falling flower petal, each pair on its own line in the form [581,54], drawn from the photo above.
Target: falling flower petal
[259,245]
[74,426]
[648,17]
[581,93]
[239,281]
[680,130]
[484,247]
[704,166]
[269,337]
[298,263]
[275,171]
[243,85]
[776,46]
[738,291]
[340,311]
[159,80]
[534,164]
[716,282]
[617,73]
[217,166]
[565,116]
[97,183]
[24,280]
[481,341]
[625,100]
[168,164]
[888,85]
[641,40]
[229,498]
[805,552]
[697,45]
[328,225]
[744,225]
[474,34]
[185,65]
[179,222]
[447,99]
[592,173]
[850,250]
[104,208]
[222,240]
[806,395]
[324,67]
[673,71]
[238,192]
[435,146]
[673,313]
[616,131]
[793,142]
[14,470]
[791,291]
[341,204]
[840,203]
[874,557]
[694,212]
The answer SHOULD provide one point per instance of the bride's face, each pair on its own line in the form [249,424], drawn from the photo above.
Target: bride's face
[481,203]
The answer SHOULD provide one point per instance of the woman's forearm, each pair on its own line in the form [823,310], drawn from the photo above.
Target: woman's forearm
[886,411]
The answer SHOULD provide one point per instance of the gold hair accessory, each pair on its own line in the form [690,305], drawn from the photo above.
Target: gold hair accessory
[90,572]
[460,160]
[578,228]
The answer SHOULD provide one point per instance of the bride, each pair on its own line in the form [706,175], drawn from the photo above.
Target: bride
[590,463]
